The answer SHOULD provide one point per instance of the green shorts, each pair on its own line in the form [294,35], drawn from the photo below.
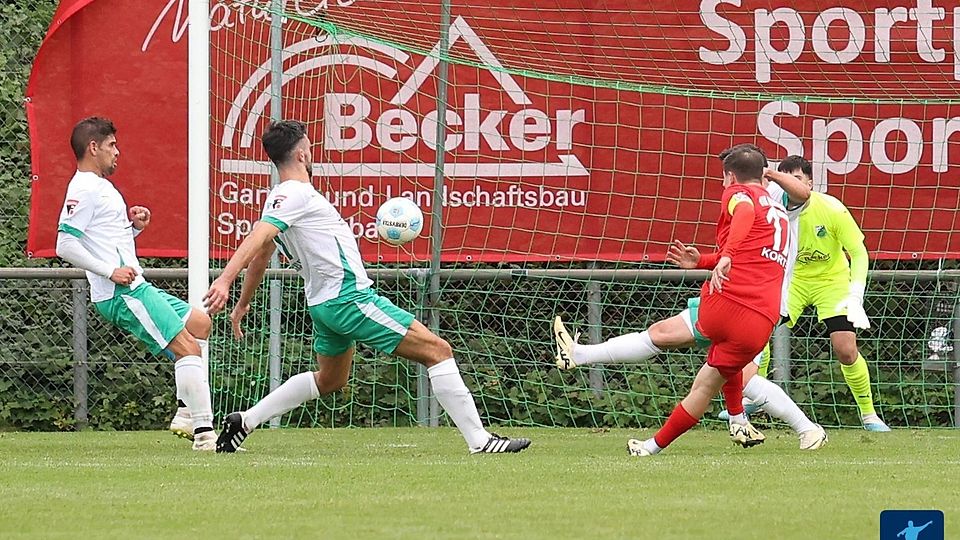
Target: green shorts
[693,305]
[364,316]
[149,313]
[825,296]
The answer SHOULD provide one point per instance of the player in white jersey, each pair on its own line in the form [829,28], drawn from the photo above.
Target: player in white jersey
[680,330]
[96,233]
[343,307]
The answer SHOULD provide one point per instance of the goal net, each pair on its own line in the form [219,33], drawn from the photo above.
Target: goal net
[562,145]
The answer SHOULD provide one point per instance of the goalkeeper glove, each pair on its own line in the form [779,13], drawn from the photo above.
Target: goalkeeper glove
[853,304]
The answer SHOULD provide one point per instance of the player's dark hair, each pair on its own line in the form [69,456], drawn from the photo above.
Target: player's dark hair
[745,163]
[94,129]
[745,146]
[281,138]
[796,163]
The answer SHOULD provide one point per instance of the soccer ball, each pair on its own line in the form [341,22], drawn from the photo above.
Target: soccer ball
[399,221]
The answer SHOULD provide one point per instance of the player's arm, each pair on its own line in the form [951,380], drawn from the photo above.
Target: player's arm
[75,217]
[256,268]
[740,207]
[71,250]
[797,192]
[251,281]
[850,236]
[259,240]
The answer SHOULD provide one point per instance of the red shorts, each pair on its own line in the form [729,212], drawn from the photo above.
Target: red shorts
[736,333]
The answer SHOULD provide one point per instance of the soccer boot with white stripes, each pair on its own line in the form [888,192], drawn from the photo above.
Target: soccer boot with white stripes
[182,424]
[232,434]
[500,445]
[565,344]
[746,435]
[205,441]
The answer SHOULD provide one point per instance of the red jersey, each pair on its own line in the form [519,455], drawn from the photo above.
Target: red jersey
[758,263]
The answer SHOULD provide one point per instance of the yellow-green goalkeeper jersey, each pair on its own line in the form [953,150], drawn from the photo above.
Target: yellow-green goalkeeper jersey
[827,230]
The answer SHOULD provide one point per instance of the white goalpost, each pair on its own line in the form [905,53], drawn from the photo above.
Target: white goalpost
[198,157]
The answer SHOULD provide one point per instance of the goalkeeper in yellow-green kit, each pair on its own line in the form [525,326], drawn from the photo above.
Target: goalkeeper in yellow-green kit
[825,279]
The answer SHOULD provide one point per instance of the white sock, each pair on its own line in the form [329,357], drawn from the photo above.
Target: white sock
[651,446]
[205,358]
[625,349]
[777,403]
[738,419]
[458,402]
[295,391]
[188,373]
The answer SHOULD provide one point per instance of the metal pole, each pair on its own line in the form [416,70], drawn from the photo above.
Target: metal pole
[436,230]
[80,410]
[276,295]
[276,113]
[956,365]
[423,379]
[594,323]
[781,356]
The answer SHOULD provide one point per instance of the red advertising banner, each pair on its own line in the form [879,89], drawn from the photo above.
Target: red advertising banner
[574,131]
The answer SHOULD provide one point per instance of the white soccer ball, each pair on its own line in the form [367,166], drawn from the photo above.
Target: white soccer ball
[399,221]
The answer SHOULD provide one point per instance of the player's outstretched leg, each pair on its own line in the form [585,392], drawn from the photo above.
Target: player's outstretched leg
[421,345]
[684,416]
[295,391]
[458,403]
[626,349]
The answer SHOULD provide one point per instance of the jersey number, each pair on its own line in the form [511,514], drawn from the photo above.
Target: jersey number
[778,218]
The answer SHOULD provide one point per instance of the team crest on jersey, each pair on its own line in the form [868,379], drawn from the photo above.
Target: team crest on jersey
[277,201]
[821,231]
[71,206]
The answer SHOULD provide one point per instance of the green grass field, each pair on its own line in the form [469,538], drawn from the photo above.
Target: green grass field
[420,483]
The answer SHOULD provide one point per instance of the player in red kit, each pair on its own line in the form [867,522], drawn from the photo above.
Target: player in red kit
[739,304]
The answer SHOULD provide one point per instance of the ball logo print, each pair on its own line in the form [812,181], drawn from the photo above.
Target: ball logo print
[399,221]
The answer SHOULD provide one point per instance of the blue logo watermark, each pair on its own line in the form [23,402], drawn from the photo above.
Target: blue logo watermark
[911,525]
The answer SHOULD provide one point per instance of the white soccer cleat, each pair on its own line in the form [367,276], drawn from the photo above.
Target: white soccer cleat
[635,448]
[746,435]
[813,439]
[182,424]
[565,344]
[205,442]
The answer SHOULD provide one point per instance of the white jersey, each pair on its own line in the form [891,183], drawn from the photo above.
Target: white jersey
[793,222]
[316,240]
[95,213]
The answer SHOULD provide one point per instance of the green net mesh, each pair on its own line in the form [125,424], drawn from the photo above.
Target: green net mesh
[579,141]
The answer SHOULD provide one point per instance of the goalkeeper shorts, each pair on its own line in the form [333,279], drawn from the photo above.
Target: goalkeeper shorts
[823,296]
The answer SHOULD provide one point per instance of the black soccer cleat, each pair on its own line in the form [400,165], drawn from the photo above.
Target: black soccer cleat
[500,445]
[232,434]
